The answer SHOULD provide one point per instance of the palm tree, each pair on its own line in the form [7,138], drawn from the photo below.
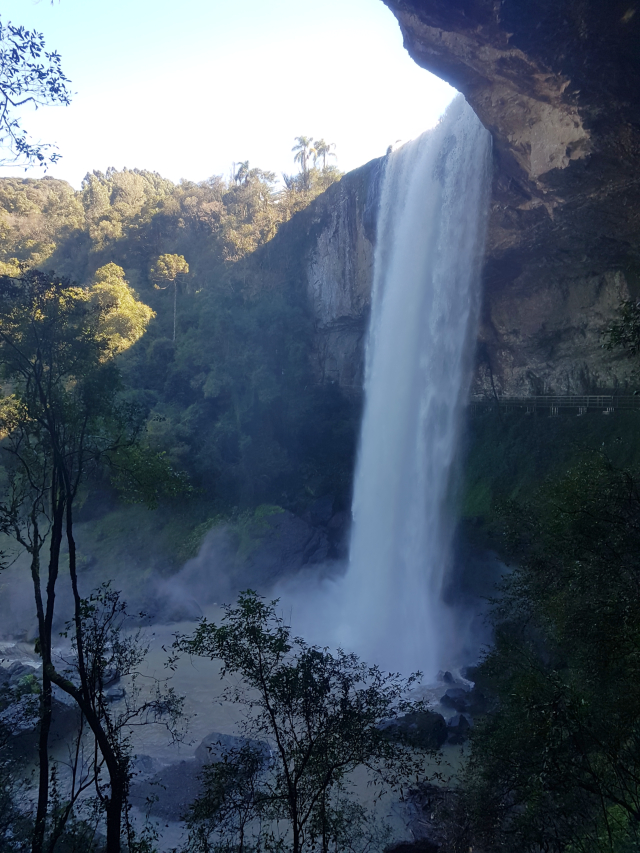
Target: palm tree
[323,149]
[304,150]
[242,172]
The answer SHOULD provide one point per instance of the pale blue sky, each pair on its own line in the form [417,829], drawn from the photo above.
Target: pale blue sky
[187,87]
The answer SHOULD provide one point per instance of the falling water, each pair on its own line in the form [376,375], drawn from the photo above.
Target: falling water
[424,318]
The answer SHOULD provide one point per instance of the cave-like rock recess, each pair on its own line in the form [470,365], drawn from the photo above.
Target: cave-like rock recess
[557,82]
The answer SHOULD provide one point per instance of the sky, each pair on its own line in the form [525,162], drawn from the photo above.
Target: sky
[187,88]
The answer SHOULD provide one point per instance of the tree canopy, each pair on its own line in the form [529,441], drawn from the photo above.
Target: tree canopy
[232,397]
[168,268]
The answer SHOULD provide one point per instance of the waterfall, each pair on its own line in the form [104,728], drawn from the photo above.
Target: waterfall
[423,324]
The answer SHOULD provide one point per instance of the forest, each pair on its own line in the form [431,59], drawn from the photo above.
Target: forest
[222,374]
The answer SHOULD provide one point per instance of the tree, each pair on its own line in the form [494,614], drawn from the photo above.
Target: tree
[324,149]
[556,765]
[111,652]
[311,718]
[168,268]
[14,822]
[28,75]
[62,422]
[241,172]
[284,420]
[304,150]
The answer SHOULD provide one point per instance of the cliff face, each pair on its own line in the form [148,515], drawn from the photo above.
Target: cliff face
[557,83]
[328,250]
[339,275]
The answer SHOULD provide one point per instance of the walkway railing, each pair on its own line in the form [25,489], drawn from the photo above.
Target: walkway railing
[555,405]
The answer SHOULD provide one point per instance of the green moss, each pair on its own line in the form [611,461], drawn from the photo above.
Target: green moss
[28,685]
[132,542]
[510,456]
[251,526]
[192,541]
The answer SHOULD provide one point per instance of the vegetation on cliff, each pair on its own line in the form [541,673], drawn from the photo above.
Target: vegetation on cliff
[555,761]
[224,374]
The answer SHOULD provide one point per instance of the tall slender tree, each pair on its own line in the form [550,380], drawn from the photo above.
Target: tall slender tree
[241,172]
[311,718]
[169,268]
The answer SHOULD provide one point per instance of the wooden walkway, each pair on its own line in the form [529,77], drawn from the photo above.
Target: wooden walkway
[606,404]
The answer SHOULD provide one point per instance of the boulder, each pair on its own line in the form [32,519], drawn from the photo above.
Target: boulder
[424,729]
[455,697]
[458,728]
[282,546]
[143,767]
[169,792]
[114,694]
[461,722]
[18,671]
[213,747]
[252,555]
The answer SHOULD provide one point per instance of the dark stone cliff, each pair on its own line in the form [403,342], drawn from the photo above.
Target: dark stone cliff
[557,83]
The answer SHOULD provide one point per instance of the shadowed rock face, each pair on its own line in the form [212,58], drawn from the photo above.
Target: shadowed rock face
[557,82]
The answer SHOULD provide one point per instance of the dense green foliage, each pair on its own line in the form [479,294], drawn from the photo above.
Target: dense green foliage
[509,456]
[556,765]
[133,216]
[233,398]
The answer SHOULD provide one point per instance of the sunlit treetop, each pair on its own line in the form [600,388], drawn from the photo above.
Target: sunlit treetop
[122,318]
[69,332]
[169,267]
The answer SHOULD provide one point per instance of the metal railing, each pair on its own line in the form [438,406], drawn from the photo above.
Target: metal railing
[556,404]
